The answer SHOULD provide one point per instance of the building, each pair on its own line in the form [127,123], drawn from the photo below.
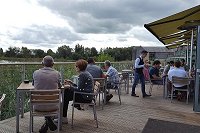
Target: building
[161,53]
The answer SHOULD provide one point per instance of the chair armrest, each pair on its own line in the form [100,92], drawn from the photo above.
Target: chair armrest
[85,93]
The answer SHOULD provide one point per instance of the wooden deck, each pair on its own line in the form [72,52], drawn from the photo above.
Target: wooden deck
[130,117]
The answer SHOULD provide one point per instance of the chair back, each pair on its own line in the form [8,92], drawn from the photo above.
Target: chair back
[125,75]
[45,97]
[102,83]
[96,87]
[1,101]
[45,103]
[180,80]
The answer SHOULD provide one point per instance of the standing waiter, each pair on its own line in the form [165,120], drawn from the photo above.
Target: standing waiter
[139,65]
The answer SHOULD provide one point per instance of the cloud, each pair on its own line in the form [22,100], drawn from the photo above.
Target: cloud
[44,35]
[113,16]
[101,23]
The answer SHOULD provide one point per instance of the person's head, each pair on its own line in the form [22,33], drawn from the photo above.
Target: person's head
[171,63]
[81,65]
[177,64]
[91,60]
[48,61]
[147,63]
[143,53]
[182,62]
[107,64]
[156,63]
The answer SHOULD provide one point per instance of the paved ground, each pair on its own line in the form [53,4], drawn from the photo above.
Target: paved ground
[130,117]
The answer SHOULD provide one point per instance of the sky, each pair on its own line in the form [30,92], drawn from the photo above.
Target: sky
[49,24]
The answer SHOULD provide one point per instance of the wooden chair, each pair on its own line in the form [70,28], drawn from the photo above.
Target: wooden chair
[124,80]
[1,101]
[180,80]
[93,103]
[101,92]
[45,98]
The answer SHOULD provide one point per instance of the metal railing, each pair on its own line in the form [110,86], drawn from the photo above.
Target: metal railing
[12,74]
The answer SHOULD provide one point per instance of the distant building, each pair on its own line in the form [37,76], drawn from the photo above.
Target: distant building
[160,53]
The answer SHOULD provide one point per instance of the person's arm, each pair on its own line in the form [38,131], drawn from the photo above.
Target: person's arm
[156,77]
[170,75]
[153,75]
[59,80]
[137,61]
[102,74]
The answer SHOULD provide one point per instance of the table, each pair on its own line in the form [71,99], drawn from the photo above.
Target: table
[26,87]
[23,87]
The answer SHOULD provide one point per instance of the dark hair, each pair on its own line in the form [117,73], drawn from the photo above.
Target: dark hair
[156,62]
[177,64]
[171,62]
[48,61]
[81,64]
[107,63]
[143,52]
[182,60]
[90,60]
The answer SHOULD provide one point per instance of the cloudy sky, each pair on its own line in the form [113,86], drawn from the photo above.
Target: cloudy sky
[48,24]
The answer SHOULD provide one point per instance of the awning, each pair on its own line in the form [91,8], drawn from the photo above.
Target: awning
[168,31]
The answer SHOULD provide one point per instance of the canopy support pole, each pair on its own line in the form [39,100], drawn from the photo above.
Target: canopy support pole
[191,49]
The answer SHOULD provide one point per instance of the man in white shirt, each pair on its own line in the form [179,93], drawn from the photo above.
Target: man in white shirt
[178,72]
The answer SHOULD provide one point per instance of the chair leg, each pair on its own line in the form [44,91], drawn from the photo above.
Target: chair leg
[187,97]
[150,89]
[102,100]
[30,124]
[172,94]
[73,115]
[119,95]
[59,122]
[95,115]
[99,98]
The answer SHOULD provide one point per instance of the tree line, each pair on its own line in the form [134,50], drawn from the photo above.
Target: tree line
[65,52]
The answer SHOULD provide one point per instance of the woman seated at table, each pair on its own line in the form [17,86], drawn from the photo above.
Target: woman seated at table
[85,84]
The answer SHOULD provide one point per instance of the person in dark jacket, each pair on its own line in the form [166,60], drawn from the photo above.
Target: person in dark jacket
[85,84]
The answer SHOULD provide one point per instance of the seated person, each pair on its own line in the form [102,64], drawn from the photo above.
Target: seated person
[168,67]
[112,76]
[146,69]
[184,66]
[93,69]
[47,78]
[85,84]
[154,73]
[178,72]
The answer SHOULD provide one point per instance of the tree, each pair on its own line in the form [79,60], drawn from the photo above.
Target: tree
[94,52]
[25,52]
[87,52]
[1,52]
[103,57]
[12,52]
[64,52]
[51,53]
[38,53]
